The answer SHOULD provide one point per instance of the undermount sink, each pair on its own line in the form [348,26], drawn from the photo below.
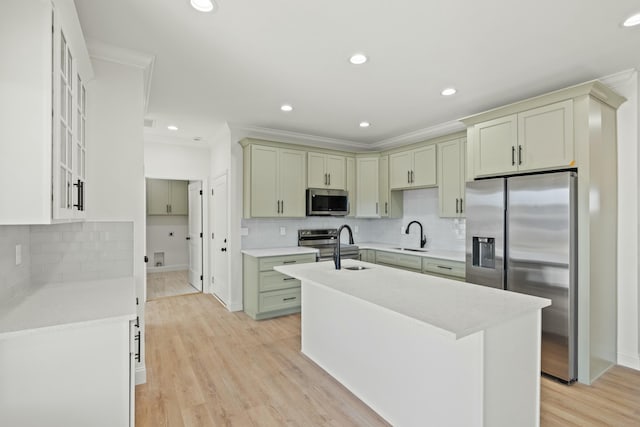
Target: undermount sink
[356,268]
[411,249]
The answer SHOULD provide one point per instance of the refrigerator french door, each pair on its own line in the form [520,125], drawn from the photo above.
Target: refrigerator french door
[522,236]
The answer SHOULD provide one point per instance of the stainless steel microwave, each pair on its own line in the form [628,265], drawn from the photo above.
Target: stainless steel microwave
[321,201]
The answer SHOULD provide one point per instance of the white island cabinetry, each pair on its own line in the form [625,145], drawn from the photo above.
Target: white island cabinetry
[67,355]
[423,350]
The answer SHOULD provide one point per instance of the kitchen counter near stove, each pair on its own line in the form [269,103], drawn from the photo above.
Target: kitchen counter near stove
[429,253]
[288,250]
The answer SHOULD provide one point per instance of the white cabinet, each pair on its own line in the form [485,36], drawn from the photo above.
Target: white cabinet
[451,177]
[274,182]
[413,168]
[167,197]
[532,140]
[43,106]
[367,191]
[326,171]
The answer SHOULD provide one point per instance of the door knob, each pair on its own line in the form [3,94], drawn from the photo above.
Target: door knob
[223,249]
[188,237]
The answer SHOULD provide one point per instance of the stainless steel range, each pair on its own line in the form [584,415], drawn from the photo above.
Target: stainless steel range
[325,241]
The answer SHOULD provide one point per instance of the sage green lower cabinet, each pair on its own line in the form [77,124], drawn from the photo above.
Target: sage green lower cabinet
[368,255]
[268,293]
[407,262]
[444,268]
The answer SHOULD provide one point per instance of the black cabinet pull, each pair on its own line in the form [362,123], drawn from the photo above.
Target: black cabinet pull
[408,177]
[137,324]
[138,355]
[78,186]
[461,210]
[513,155]
[289,278]
[519,154]
[445,267]
[289,299]
[289,262]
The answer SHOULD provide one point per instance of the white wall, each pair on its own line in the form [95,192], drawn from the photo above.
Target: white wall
[115,159]
[626,84]
[168,234]
[172,161]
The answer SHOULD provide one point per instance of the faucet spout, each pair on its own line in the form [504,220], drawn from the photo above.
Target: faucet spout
[336,249]
[423,238]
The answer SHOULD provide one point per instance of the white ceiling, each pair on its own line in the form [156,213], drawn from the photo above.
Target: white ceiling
[241,63]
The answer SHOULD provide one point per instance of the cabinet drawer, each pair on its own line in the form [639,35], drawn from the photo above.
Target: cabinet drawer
[399,260]
[443,267]
[273,280]
[278,300]
[266,264]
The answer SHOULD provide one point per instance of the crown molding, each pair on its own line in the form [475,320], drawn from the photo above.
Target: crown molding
[618,79]
[420,135]
[244,131]
[150,138]
[119,55]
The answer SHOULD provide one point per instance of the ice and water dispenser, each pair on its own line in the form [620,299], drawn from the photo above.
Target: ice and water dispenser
[484,252]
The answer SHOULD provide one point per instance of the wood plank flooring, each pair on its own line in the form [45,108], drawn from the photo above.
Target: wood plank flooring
[209,367]
[168,284]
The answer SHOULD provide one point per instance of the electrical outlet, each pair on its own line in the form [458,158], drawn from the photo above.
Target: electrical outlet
[244,231]
[283,231]
[355,229]
[18,254]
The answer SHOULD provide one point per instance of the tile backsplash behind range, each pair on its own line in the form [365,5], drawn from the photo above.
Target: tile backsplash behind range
[14,278]
[81,251]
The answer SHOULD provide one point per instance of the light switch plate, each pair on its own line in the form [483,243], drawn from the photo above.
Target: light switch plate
[244,231]
[18,254]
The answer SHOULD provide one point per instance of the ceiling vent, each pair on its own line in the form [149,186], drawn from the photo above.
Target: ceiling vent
[148,123]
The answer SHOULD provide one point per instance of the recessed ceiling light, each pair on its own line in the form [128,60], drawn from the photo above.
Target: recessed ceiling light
[365,124]
[358,59]
[203,5]
[286,107]
[172,127]
[632,20]
[448,91]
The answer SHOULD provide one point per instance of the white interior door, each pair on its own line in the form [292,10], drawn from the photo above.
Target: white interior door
[220,227]
[195,235]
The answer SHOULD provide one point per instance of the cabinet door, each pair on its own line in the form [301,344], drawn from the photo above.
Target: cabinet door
[157,197]
[400,165]
[424,167]
[495,146]
[264,181]
[292,183]
[383,175]
[317,175]
[336,172]
[545,137]
[450,177]
[367,187]
[351,184]
[179,198]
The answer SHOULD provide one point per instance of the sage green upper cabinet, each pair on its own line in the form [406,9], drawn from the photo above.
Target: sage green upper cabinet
[367,191]
[276,182]
[167,197]
[351,185]
[383,177]
[536,139]
[545,137]
[495,146]
[326,171]
[451,177]
[413,168]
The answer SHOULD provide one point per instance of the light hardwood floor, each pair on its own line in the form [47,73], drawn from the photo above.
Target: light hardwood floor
[168,284]
[209,367]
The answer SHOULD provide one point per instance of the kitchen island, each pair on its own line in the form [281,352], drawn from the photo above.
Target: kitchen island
[423,350]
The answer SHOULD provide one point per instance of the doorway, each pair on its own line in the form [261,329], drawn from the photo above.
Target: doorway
[174,235]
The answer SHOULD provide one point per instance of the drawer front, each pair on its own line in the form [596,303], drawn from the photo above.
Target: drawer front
[444,267]
[410,262]
[273,280]
[278,300]
[266,264]
[386,258]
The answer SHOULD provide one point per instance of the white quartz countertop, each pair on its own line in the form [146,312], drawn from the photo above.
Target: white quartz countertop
[431,253]
[290,250]
[456,309]
[68,304]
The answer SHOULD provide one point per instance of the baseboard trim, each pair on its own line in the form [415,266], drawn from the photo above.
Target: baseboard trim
[235,307]
[629,360]
[167,268]
[141,375]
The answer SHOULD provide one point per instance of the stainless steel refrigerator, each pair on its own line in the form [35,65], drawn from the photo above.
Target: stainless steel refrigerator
[522,237]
